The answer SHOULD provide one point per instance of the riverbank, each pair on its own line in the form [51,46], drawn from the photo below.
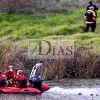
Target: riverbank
[15,47]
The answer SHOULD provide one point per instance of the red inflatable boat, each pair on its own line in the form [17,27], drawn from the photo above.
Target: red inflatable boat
[28,90]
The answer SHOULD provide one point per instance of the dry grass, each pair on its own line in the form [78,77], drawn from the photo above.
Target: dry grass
[86,63]
[11,55]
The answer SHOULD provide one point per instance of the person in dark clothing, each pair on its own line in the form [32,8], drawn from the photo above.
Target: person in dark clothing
[95,8]
[36,82]
[90,17]
[91,4]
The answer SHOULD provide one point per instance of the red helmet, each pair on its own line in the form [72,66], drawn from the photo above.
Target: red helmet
[10,67]
[20,71]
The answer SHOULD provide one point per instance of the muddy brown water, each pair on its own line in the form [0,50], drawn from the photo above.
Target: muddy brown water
[65,89]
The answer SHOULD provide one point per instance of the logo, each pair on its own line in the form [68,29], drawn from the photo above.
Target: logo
[50,49]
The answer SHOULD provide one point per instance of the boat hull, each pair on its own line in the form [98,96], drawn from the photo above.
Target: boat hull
[27,90]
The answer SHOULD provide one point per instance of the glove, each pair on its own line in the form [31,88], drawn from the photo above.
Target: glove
[10,81]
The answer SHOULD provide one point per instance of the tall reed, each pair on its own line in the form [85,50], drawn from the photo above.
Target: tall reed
[86,63]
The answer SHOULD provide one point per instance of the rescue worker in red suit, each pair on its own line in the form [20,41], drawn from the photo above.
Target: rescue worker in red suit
[2,80]
[90,18]
[11,74]
[21,79]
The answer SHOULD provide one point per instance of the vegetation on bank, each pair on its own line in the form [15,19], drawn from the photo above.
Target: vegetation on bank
[65,24]
[21,26]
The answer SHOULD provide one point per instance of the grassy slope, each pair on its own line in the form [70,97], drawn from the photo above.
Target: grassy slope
[48,25]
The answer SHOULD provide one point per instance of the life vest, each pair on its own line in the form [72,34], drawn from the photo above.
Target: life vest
[90,17]
[20,78]
[21,81]
[10,75]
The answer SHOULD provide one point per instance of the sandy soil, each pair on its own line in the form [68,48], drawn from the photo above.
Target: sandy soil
[65,89]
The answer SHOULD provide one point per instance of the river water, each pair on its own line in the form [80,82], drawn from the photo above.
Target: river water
[65,89]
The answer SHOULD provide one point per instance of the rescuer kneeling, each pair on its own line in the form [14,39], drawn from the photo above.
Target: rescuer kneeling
[20,80]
